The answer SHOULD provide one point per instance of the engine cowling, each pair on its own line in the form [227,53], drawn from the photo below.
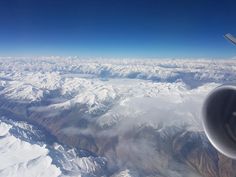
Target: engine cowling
[219,119]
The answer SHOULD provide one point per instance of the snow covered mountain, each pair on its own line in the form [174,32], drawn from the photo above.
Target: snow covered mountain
[108,117]
[26,151]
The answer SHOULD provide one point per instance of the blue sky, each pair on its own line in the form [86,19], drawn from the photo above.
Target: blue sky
[117,28]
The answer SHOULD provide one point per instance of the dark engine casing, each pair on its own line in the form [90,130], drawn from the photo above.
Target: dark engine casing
[219,119]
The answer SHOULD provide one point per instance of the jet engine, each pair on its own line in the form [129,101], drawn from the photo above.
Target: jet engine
[219,120]
[219,116]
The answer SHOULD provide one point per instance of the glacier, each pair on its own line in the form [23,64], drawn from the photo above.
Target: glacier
[75,116]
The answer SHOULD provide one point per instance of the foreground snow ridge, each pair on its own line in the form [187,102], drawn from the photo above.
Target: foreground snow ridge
[23,152]
[20,158]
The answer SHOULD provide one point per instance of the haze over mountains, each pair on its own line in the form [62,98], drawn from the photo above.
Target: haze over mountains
[108,117]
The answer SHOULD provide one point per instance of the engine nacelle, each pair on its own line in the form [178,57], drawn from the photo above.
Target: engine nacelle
[219,120]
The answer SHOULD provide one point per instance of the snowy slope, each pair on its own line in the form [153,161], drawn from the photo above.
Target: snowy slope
[20,158]
[24,153]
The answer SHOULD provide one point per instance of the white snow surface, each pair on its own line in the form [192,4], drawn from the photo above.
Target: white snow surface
[21,158]
[20,155]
